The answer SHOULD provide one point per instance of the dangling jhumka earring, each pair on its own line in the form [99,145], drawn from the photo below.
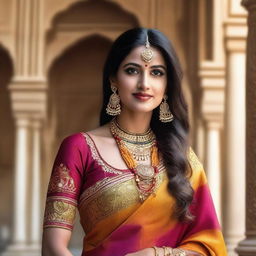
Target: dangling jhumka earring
[147,54]
[113,107]
[165,114]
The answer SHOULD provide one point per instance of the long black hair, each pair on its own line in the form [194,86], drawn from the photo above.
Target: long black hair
[172,137]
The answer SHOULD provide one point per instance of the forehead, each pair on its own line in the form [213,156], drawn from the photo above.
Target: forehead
[135,56]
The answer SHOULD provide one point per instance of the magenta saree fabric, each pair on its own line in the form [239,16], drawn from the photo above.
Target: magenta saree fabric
[114,220]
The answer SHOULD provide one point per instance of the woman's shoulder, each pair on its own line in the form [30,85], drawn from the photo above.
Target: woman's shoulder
[78,137]
[197,177]
[194,161]
[79,140]
[100,132]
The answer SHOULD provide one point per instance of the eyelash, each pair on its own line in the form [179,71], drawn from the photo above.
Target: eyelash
[134,71]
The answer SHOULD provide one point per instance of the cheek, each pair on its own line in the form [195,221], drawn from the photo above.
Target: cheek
[126,82]
[161,87]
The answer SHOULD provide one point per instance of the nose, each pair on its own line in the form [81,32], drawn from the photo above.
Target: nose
[143,83]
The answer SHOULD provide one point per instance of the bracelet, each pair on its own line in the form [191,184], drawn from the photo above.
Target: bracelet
[168,251]
[156,250]
[178,252]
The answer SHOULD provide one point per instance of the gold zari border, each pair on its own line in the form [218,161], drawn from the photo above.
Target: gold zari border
[59,212]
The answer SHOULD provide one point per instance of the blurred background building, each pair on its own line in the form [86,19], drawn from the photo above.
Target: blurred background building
[51,59]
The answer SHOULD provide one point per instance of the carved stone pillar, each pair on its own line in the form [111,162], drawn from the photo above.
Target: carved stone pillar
[29,107]
[28,100]
[35,225]
[248,246]
[21,182]
[212,82]
[213,163]
[234,207]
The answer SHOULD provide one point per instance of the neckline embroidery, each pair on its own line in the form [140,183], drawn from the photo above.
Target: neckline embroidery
[98,158]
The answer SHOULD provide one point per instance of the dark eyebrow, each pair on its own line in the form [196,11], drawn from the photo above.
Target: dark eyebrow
[159,66]
[132,64]
[139,66]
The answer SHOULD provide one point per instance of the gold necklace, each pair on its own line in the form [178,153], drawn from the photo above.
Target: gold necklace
[138,144]
[145,174]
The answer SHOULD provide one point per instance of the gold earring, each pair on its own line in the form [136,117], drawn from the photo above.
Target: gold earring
[113,107]
[165,114]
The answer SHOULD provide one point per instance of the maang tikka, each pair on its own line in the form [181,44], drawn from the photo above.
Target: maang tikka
[113,107]
[165,114]
[147,54]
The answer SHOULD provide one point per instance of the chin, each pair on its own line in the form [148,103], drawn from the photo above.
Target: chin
[140,108]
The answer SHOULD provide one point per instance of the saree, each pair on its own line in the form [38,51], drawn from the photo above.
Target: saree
[114,220]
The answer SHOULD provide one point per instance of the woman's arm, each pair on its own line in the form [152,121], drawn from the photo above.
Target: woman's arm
[55,242]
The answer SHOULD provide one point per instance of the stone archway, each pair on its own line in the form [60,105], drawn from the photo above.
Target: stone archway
[83,19]
[6,148]
[75,92]
[75,83]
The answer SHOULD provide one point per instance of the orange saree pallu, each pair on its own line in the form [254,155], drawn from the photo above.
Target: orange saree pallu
[113,218]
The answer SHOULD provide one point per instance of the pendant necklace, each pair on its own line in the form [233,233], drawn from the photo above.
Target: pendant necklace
[140,153]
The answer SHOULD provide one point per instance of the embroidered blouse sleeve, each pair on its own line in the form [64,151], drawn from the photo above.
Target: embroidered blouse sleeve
[65,183]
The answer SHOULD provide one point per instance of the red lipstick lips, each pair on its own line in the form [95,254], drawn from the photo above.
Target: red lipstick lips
[142,96]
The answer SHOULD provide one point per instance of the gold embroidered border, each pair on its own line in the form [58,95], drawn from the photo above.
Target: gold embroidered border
[96,156]
[108,182]
[108,202]
[110,196]
[59,212]
[61,181]
[194,161]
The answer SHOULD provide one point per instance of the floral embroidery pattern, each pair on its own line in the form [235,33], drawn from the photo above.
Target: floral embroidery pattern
[194,161]
[97,158]
[59,212]
[109,196]
[61,181]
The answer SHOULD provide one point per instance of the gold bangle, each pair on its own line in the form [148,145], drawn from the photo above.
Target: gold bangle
[156,250]
[167,251]
[178,252]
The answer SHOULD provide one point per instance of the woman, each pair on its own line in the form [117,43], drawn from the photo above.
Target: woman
[139,188]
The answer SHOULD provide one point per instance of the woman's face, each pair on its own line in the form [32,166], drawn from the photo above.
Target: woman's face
[141,86]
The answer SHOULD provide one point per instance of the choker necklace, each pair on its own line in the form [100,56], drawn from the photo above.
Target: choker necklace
[140,154]
[138,144]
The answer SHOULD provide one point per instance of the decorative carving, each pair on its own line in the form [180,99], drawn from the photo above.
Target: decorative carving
[61,181]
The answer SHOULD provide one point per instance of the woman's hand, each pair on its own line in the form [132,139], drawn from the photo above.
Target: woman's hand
[144,252]
[151,252]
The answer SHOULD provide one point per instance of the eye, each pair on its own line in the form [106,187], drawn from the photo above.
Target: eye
[131,71]
[157,72]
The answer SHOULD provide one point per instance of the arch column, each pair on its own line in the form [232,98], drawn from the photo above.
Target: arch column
[28,100]
[235,134]
[35,228]
[213,163]
[212,82]
[248,246]
[29,110]
[21,177]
